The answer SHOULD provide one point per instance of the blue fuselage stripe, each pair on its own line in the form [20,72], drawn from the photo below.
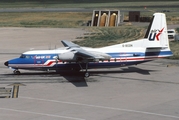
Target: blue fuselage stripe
[129,58]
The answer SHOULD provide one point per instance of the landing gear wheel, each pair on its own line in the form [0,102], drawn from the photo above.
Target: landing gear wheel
[87,74]
[16,72]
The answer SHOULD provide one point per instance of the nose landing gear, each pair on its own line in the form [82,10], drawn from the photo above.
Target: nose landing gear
[16,72]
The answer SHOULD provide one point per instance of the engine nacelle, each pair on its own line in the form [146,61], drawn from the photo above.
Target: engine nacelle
[67,56]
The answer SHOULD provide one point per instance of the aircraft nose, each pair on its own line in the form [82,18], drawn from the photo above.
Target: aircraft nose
[6,63]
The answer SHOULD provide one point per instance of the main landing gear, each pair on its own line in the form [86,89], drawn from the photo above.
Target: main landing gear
[86,75]
[16,72]
[86,72]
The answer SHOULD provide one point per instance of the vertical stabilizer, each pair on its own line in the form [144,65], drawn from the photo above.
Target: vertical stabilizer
[156,35]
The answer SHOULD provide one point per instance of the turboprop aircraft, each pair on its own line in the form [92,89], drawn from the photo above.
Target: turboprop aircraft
[154,45]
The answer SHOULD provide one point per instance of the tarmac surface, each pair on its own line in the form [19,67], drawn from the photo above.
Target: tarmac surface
[147,91]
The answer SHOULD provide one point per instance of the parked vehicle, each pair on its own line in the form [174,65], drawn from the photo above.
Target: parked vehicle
[171,33]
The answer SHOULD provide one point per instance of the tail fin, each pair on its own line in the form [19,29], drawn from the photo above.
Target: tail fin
[156,35]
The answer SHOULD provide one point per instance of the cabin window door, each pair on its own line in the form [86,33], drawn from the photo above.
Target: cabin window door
[123,59]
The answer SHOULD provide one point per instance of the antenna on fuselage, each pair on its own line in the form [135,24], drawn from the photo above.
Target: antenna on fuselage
[31,48]
[49,47]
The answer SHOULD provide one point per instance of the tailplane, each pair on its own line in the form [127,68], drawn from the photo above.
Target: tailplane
[156,35]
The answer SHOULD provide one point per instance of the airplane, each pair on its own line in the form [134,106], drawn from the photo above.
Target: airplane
[73,57]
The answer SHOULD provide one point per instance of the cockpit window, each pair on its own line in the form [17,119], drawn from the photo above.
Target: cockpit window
[24,56]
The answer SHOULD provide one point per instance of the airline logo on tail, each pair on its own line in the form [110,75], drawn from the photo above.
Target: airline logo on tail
[155,34]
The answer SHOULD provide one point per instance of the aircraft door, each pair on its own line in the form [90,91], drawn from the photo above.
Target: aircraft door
[123,59]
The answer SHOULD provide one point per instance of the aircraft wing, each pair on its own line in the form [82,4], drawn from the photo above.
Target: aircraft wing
[69,44]
[87,55]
